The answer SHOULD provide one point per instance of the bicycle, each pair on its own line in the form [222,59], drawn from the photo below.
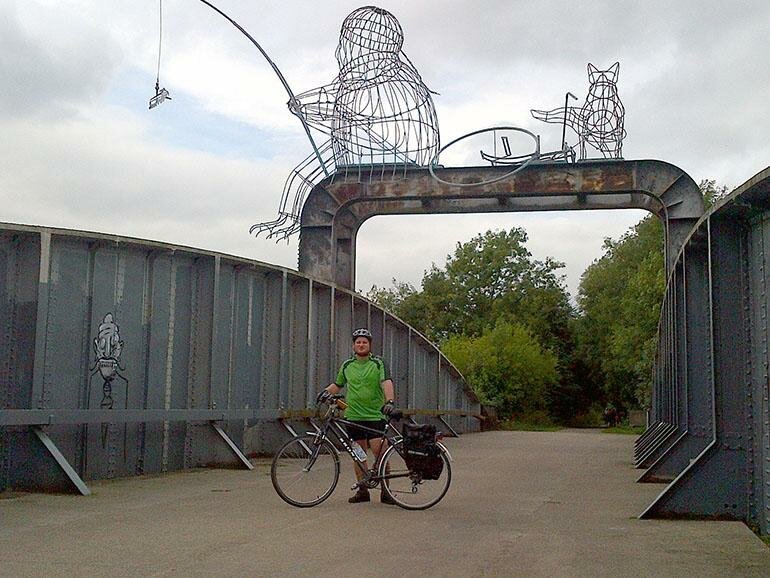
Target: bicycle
[305,471]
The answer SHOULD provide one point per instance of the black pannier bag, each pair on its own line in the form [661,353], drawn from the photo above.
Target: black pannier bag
[421,452]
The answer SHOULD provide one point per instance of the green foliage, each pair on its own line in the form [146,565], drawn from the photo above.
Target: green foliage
[712,192]
[489,280]
[590,419]
[619,297]
[506,367]
[624,430]
[525,424]
[506,321]
[391,299]
[492,276]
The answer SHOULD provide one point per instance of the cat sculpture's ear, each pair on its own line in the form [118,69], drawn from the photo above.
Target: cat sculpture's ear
[592,70]
[614,70]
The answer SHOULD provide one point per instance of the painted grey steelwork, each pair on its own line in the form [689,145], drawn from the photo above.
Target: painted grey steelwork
[211,351]
[337,207]
[710,430]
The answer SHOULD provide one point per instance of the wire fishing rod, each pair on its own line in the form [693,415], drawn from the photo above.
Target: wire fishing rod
[278,73]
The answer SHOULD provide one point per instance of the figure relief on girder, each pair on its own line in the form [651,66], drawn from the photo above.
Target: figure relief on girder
[107,348]
[378,113]
[599,121]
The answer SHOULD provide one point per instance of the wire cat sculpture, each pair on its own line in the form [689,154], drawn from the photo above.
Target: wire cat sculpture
[378,113]
[599,121]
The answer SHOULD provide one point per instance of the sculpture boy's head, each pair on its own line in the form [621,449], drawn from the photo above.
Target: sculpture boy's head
[369,30]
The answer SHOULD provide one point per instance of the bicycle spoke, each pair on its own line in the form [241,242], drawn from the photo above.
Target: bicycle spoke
[301,481]
[410,494]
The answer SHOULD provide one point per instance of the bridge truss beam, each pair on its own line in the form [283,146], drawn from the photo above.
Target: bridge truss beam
[337,207]
[711,383]
[214,352]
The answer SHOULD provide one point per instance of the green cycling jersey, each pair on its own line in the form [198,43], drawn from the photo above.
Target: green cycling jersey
[363,379]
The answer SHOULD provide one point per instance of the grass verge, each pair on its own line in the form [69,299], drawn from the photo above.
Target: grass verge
[512,425]
[624,429]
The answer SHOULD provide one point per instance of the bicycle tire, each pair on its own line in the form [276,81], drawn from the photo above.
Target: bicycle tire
[298,487]
[405,490]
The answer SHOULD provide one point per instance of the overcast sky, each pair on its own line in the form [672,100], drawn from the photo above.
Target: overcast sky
[80,149]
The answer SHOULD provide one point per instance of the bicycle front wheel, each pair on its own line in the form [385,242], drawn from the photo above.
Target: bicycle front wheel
[305,471]
[407,488]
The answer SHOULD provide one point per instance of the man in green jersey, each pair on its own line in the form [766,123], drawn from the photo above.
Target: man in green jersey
[370,400]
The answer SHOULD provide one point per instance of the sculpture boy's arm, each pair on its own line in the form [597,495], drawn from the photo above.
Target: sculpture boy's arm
[316,106]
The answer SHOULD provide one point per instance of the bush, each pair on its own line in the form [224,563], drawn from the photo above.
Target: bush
[506,367]
[530,421]
[592,418]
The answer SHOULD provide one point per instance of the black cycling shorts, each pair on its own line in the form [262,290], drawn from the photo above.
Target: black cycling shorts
[357,433]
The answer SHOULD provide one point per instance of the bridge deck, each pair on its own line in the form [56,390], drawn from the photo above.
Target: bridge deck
[521,503]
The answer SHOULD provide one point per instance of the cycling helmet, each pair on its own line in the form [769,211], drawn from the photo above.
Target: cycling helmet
[363,332]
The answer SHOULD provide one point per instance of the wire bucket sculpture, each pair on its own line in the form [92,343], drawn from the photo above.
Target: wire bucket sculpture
[378,114]
[599,121]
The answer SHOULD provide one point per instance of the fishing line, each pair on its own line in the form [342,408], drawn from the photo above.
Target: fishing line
[161,94]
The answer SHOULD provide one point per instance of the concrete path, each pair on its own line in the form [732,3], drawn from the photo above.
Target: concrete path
[521,504]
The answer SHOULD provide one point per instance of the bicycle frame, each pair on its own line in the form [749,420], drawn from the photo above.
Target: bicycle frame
[334,424]
[318,447]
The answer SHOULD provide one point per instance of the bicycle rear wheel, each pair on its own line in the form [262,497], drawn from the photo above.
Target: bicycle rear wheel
[407,488]
[305,471]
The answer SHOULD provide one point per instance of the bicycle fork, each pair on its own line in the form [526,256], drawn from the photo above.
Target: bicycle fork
[313,452]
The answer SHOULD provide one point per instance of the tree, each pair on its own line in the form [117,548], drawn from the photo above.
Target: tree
[392,299]
[488,280]
[506,367]
[493,276]
[619,298]
[491,288]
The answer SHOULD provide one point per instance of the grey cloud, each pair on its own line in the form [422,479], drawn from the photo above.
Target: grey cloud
[693,77]
[45,73]
[103,172]
[575,238]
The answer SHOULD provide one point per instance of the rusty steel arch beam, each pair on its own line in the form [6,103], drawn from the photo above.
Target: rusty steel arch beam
[337,207]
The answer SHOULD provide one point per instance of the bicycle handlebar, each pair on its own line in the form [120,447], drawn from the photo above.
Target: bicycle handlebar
[332,399]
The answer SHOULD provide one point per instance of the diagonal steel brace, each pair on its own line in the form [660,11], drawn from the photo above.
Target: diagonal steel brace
[231,444]
[62,461]
[452,432]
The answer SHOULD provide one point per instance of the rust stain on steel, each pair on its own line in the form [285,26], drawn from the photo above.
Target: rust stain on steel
[346,191]
[586,179]
[607,178]
[551,181]
[562,180]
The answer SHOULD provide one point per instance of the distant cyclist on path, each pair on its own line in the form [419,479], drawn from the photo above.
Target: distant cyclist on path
[370,399]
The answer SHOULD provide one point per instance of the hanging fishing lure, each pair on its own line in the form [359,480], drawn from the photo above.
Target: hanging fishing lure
[161,94]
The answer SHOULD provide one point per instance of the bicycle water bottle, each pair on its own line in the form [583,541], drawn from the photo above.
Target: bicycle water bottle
[359,451]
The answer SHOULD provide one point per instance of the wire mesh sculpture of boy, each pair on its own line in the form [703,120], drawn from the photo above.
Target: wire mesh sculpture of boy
[378,113]
[599,122]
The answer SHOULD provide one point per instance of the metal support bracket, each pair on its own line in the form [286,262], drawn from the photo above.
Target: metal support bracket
[62,461]
[294,433]
[235,449]
[288,428]
[452,431]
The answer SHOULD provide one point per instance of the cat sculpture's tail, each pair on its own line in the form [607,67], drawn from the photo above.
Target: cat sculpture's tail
[556,116]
